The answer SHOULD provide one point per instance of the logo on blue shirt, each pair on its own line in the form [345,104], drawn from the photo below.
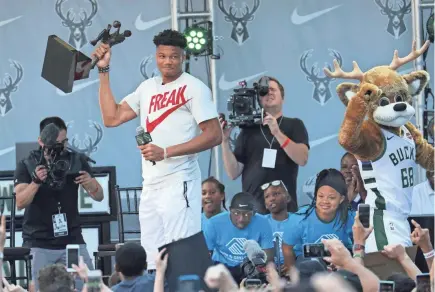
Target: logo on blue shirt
[235,246]
[327,236]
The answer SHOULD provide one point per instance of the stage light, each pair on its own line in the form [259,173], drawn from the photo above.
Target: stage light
[199,39]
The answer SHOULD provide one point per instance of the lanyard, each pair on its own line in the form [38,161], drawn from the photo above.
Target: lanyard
[273,139]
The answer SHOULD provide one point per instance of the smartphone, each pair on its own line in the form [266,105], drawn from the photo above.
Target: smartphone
[315,250]
[253,283]
[386,286]
[423,282]
[189,283]
[364,214]
[72,256]
[94,280]
[73,176]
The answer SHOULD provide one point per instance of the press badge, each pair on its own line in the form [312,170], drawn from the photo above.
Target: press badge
[269,158]
[60,225]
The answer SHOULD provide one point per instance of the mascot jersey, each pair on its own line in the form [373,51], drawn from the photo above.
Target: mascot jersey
[389,180]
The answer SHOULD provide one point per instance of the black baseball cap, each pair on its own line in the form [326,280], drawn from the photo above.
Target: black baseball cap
[243,201]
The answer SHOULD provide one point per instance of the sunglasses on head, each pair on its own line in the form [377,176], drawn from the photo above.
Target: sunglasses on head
[274,183]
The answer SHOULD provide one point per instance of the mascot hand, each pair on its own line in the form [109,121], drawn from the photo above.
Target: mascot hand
[369,92]
[416,135]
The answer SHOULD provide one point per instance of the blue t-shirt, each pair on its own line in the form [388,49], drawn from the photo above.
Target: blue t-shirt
[204,219]
[278,228]
[226,240]
[142,283]
[313,230]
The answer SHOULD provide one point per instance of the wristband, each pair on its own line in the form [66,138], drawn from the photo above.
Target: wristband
[36,179]
[358,255]
[358,247]
[429,255]
[165,154]
[104,69]
[285,143]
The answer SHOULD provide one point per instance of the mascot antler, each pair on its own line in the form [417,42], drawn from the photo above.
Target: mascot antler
[398,62]
[356,73]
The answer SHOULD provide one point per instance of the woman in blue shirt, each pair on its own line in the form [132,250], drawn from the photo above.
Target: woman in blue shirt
[327,217]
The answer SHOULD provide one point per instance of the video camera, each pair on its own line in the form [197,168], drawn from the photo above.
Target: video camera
[57,167]
[254,270]
[253,266]
[244,105]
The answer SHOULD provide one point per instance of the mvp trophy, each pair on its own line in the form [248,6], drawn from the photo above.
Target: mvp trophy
[63,64]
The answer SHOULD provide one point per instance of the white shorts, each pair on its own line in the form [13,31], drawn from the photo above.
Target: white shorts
[388,228]
[168,212]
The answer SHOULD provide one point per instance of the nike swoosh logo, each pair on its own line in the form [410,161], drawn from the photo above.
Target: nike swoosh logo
[227,85]
[301,19]
[7,150]
[4,22]
[152,125]
[389,138]
[78,87]
[320,141]
[144,25]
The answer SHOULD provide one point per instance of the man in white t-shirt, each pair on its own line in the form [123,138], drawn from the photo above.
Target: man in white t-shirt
[173,108]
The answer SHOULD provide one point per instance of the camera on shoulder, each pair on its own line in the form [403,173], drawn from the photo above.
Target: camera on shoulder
[244,105]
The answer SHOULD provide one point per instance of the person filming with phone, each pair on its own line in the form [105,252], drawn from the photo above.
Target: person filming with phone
[47,186]
[273,150]
[327,217]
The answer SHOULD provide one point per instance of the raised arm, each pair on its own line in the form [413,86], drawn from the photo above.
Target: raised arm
[113,114]
[232,166]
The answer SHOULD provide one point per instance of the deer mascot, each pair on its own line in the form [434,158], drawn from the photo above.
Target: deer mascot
[377,131]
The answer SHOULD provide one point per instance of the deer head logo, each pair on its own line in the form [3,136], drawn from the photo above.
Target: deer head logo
[321,92]
[239,18]
[89,144]
[144,68]
[396,26]
[77,36]
[11,85]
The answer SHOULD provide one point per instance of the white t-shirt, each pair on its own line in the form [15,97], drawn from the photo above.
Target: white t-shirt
[171,113]
[423,199]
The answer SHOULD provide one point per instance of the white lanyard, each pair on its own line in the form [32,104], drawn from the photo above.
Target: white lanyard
[270,143]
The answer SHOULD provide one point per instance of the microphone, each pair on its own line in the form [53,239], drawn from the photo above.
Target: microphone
[143,138]
[49,135]
[278,251]
[254,252]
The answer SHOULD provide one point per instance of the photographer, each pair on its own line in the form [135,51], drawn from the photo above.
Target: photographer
[50,196]
[273,150]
